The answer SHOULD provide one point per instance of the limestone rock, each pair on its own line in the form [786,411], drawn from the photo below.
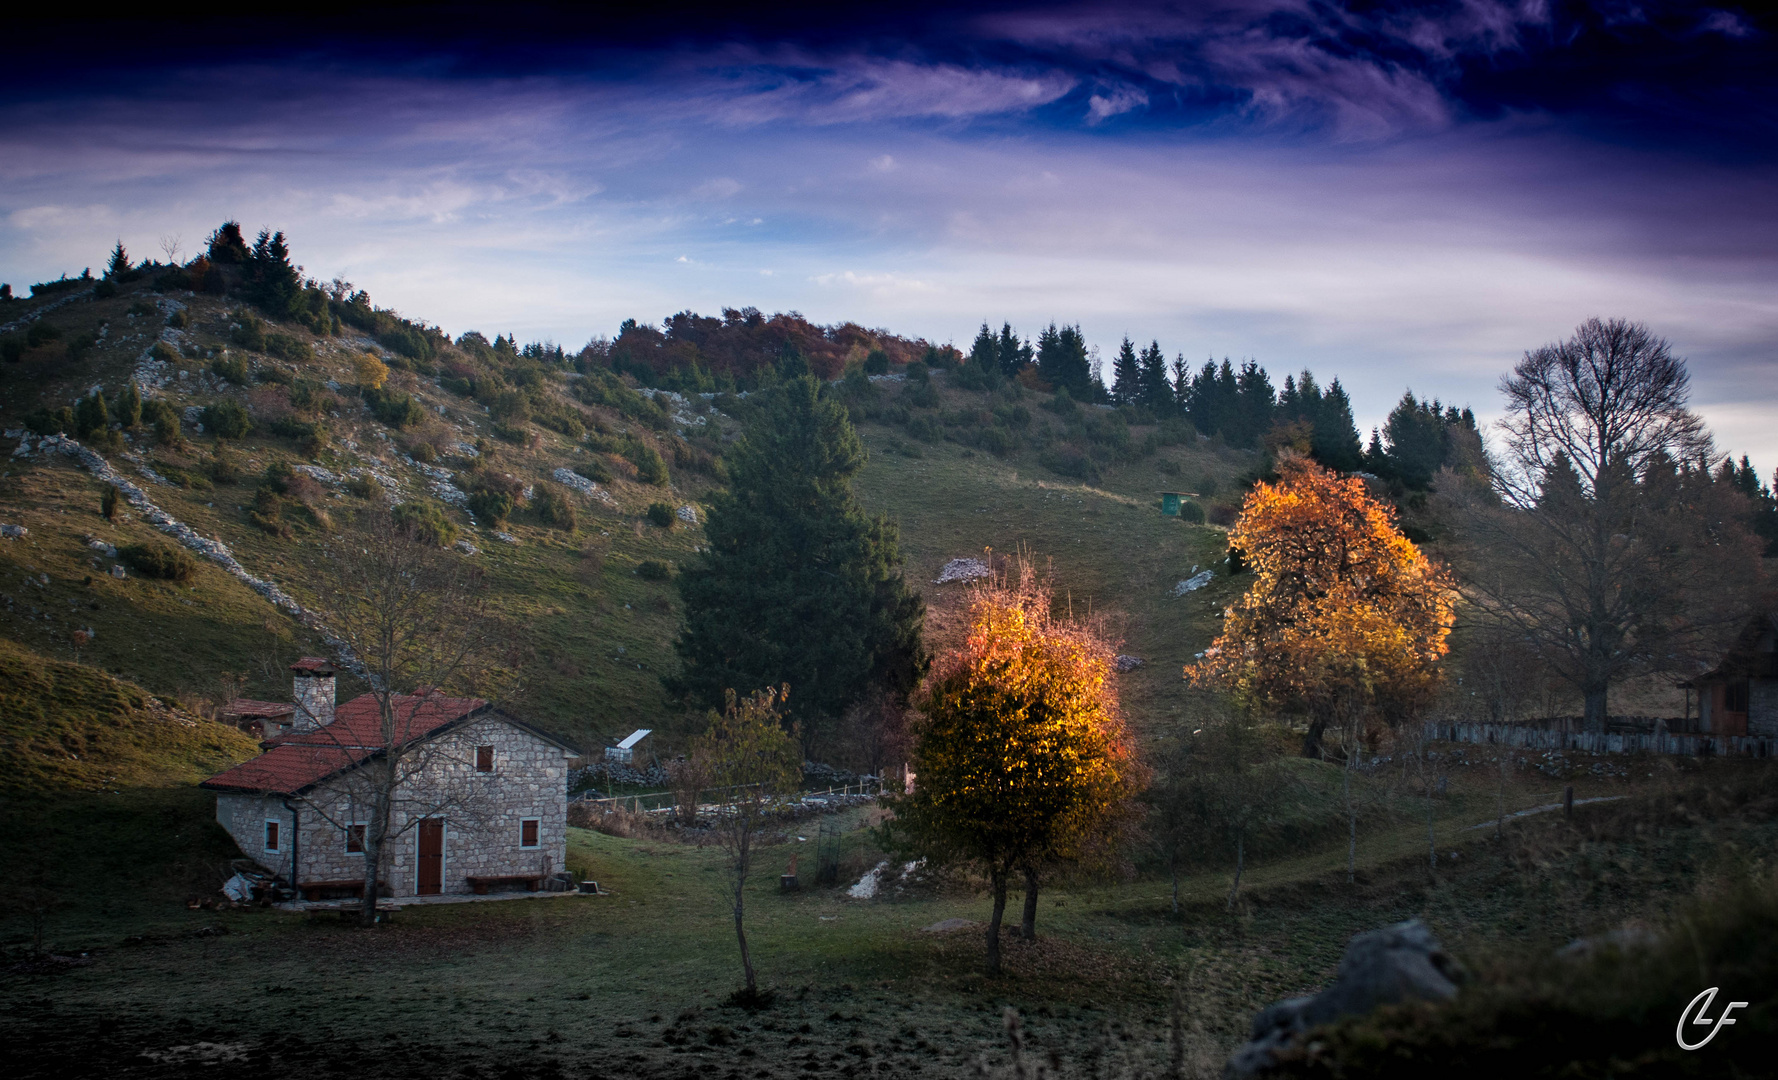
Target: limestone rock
[1403,962]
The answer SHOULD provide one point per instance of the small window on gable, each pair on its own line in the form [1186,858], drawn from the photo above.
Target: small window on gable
[355,839]
[528,832]
[484,759]
[271,836]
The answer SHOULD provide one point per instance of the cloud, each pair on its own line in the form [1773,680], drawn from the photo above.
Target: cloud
[1120,100]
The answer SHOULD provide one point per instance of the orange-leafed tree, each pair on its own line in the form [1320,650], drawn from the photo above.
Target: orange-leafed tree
[1022,759]
[1346,620]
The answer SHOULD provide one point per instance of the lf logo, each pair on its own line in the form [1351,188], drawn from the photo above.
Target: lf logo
[1702,1004]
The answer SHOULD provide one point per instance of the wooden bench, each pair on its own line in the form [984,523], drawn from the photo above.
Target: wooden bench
[312,890]
[481,884]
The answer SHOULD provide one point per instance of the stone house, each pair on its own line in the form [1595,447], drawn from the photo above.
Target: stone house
[482,800]
[1740,695]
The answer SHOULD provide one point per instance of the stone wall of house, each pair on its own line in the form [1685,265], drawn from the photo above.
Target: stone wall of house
[245,817]
[1762,707]
[483,813]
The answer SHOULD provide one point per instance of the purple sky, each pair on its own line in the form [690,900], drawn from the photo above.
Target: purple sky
[1407,197]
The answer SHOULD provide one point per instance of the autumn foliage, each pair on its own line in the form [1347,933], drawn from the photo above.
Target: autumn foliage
[1345,618]
[1022,757]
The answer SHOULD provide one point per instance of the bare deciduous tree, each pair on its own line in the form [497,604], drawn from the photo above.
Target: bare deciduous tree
[748,752]
[1610,550]
[413,616]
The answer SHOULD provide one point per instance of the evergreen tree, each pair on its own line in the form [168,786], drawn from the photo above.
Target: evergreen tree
[271,281]
[1154,390]
[226,245]
[985,353]
[1336,434]
[1182,385]
[797,584]
[1414,440]
[1015,353]
[1126,375]
[1062,361]
[129,406]
[1253,403]
[119,264]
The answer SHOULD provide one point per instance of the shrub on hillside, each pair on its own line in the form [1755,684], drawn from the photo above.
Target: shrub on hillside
[158,561]
[165,353]
[650,467]
[556,509]
[661,515]
[226,419]
[41,333]
[595,470]
[393,407]
[288,347]
[427,522]
[369,372]
[364,486]
[493,507]
[179,320]
[268,514]
[248,332]
[654,570]
[51,421]
[127,410]
[1066,460]
[159,414]
[91,416]
[232,368]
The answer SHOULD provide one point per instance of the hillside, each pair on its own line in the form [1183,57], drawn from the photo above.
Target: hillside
[340,414]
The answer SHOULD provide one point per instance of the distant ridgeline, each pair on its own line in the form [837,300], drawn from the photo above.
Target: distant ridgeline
[744,349]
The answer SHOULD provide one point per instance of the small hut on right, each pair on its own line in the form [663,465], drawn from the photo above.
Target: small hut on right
[1740,695]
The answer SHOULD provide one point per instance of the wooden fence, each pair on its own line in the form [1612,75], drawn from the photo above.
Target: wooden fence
[1595,742]
[666,802]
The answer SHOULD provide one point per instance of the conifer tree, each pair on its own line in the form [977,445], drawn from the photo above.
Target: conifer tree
[119,264]
[1126,375]
[1153,388]
[985,353]
[797,585]
[1015,353]
[129,406]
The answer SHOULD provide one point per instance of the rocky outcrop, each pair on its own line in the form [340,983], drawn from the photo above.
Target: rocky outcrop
[1404,962]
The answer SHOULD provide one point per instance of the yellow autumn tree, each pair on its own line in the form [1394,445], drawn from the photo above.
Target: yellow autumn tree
[1022,758]
[1346,620]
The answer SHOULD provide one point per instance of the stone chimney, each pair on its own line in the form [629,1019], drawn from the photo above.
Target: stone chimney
[313,694]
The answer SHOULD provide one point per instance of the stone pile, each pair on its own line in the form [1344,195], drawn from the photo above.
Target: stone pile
[963,570]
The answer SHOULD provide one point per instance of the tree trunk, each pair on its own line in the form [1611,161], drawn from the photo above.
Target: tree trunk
[1431,837]
[1351,827]
[1173,865]
[1312,738]
[376,833]
[1595,707]
[1028,929]
[1240,862]
[999,877]
[741,936]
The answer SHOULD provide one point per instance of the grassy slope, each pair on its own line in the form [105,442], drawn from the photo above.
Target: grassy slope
[593,635]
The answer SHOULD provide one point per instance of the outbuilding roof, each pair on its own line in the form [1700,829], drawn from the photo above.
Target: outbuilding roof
[249,709]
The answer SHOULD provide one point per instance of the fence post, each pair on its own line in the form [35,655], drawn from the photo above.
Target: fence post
[1568,801]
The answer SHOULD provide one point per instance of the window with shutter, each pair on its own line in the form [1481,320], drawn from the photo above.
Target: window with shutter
[528,832]
[271,836]
[484,759]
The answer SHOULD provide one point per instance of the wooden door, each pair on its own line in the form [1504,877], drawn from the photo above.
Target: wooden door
[430,877]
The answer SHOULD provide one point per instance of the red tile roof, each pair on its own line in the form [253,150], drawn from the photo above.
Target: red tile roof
[295,761]
[314,664]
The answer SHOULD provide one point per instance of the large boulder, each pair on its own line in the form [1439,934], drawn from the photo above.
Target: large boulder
[1404,962]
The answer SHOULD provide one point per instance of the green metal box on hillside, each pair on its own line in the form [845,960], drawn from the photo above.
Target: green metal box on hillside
[1171,501]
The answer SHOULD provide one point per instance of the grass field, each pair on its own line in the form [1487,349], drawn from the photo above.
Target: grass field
[635,982]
